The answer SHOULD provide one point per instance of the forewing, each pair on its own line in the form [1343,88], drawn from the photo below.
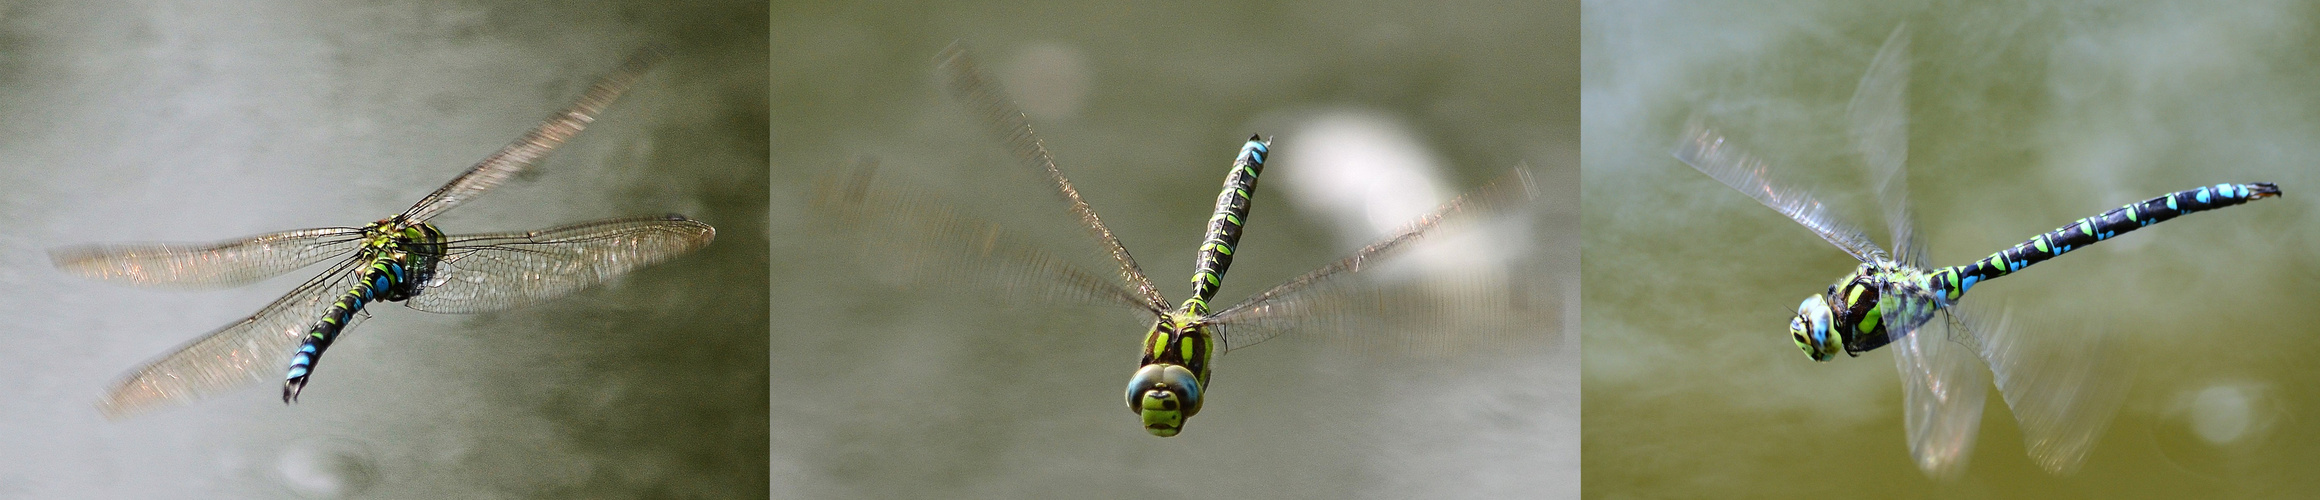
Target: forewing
[1325,301]
[255,349]
[986,99]
[545,137]
[935,243]
[1706,151]
[227,263]
[490,272]
[1879,115]
[1943,385]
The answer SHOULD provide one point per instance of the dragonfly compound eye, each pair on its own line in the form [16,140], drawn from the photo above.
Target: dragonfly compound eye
[1164,395]
[1811,328]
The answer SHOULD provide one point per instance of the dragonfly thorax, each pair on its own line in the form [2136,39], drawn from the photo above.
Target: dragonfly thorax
[1850,315]
[413,247]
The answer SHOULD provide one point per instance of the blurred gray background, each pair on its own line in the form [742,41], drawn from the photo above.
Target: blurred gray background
[885,388]
[2025,116]
[200,121]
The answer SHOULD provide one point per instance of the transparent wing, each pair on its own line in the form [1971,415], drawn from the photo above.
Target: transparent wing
[1706,151]
[536,144]
[207,265]
[1943,387]
[255,349]
[936,243]
[2063,390]
[984,97]
[490,272]
[1321,300]
[1879,116]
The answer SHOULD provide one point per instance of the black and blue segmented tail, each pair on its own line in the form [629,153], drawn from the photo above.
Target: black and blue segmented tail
[383,275]
[1953,282]
[1224,228]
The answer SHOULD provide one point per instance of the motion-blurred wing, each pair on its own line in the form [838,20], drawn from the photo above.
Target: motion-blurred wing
[1706,151]
[937,243]
[2063,390]
[255,349]
[490,272]
[984,97]
[1879,115]
[208,265]
[1943,387]
[1323,300]
[545,137]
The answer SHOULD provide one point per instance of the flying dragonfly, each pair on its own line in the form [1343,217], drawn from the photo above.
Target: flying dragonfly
[2058,397]
[1174,370]
[401,258]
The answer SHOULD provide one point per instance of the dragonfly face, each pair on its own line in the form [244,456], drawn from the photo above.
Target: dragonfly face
[1164,395]
[417,246]
[1813,328]
[1167,389]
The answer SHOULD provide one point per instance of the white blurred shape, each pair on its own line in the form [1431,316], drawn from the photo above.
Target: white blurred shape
[2222,414]
[1371,176]
[1050,80]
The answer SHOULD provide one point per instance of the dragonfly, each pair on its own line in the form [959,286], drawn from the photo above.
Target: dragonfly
[1174,370]
[1891,295]
[401,258]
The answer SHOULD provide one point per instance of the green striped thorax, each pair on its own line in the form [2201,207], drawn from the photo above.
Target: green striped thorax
[1852,317]
[418,246]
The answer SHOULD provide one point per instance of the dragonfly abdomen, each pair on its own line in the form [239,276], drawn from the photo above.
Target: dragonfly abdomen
[1224,228]
[387,278]
[1953,281]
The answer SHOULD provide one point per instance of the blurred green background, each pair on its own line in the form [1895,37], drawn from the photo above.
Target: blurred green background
[2025,116]
[886,389]
[200,121]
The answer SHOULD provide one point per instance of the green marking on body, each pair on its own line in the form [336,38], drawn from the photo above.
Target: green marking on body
[1224,249]
[2040,242]
[1234,219]
[1158,341]
[2086,226]
[1869,321]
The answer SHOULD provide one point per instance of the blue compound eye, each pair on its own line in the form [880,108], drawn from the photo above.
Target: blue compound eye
[1164,395]
[1811,328]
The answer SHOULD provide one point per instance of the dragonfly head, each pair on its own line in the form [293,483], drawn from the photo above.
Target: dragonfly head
[1813,328]
[1164,394]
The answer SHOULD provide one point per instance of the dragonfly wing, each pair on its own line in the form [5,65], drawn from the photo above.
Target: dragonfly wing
[1879,116]
[208,265]
[1943,385]
[490,272]
[1706,151]
[543,138]
[1318,298]
[983,96]
[255,349]
[2063,391]
[937,243]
